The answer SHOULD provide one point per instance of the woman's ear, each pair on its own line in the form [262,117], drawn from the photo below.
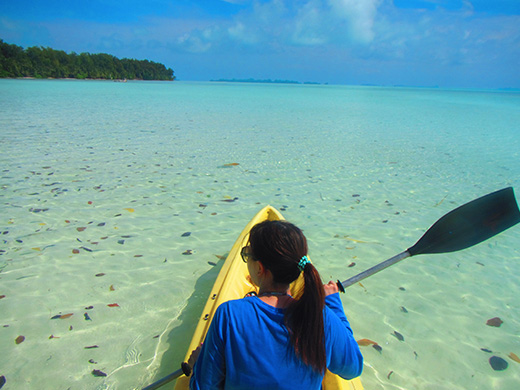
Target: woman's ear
[261,268]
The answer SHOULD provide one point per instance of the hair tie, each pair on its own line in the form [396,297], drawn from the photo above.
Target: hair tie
[303,262]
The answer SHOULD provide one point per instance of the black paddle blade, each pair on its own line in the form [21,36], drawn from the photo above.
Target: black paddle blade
[470,224]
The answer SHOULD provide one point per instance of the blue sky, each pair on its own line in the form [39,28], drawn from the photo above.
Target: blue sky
[447,43]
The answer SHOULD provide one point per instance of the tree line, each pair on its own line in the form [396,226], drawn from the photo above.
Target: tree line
[44,62]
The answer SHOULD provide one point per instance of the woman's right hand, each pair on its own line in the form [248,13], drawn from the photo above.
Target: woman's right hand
[330,288]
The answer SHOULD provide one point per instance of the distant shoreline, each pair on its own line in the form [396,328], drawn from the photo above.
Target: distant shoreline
[265,81]
[76,78]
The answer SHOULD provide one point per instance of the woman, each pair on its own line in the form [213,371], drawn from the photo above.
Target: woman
[274,340]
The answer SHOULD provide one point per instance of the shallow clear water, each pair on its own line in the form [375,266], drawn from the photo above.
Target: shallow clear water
[100,181]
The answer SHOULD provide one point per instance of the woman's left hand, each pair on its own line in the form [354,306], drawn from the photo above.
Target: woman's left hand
[330,288]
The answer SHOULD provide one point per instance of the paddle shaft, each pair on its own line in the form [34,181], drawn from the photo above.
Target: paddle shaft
[374,269]
[163,381]
[185,369]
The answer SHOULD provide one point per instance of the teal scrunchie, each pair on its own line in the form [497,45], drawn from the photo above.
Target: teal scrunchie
[303,262]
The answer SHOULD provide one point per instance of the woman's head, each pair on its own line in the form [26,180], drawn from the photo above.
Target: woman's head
[279,245]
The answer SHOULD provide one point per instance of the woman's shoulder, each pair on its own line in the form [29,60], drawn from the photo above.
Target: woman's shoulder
[247,305]
[238,304]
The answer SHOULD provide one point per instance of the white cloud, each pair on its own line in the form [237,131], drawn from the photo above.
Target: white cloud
[276,24]
[241,33]
[443,39]
[308,28]
[359,15]
[307,22]
[201,41]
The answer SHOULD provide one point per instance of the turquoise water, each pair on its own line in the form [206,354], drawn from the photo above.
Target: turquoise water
[101,181]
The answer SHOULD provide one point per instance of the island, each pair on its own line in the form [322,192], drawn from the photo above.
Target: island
[44,62]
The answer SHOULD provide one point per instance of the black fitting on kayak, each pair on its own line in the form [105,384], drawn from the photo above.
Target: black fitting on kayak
[340,286]
[186,369]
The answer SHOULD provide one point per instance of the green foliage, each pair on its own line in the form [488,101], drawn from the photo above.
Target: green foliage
[42,62]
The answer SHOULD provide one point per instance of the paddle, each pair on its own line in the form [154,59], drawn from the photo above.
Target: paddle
[185,369]
[461,228]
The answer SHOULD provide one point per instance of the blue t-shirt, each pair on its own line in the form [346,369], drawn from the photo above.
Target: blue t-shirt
[248,347]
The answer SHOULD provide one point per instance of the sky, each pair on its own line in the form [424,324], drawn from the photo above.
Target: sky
[445,43]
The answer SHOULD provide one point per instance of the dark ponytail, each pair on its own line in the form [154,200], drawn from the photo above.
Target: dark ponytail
[280,245]
[305,320]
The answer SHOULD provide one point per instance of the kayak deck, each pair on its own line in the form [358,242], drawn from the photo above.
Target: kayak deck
[233,283]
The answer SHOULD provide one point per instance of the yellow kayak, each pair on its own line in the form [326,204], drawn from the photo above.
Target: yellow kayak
[233,283]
